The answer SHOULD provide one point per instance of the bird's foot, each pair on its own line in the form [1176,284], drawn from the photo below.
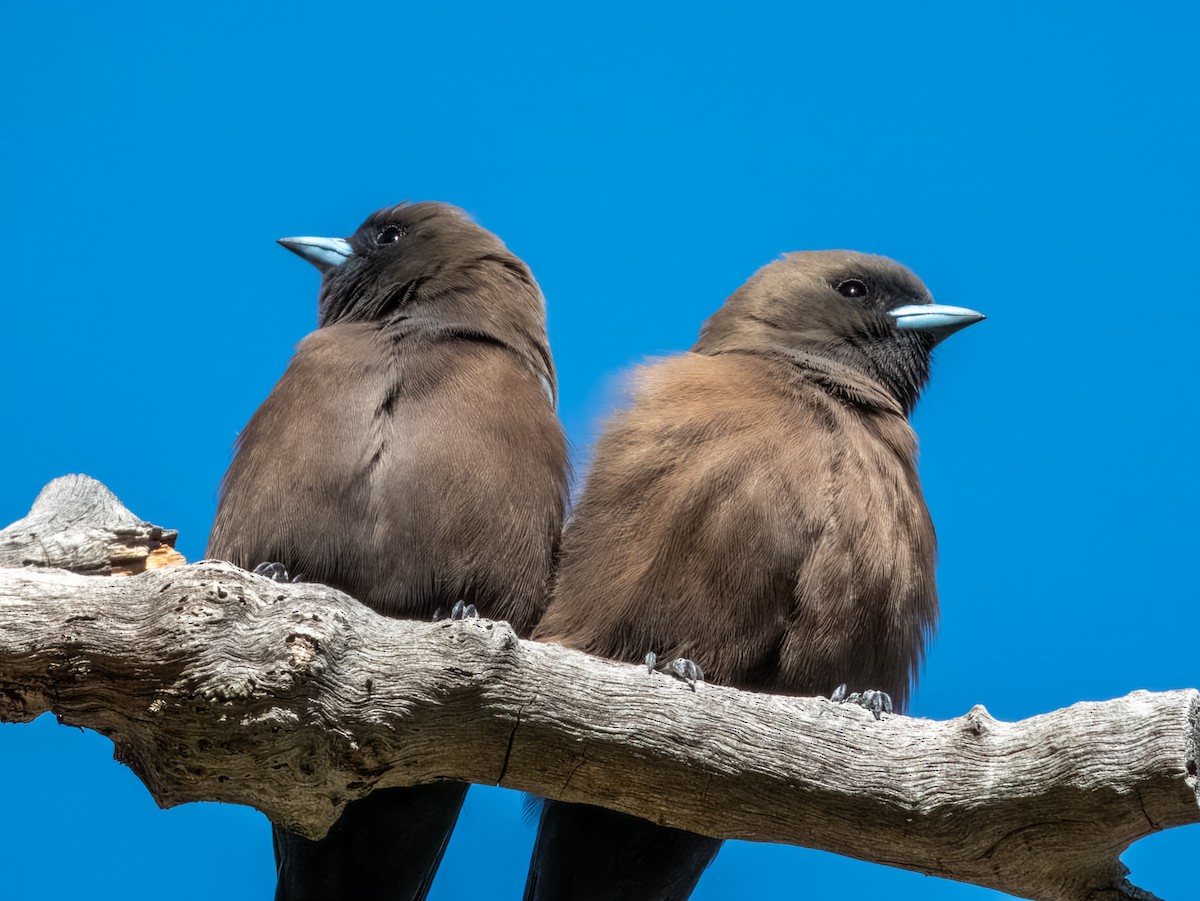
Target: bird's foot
[681,668]
[276,572]
[878,702]
[460,611]
[687,670]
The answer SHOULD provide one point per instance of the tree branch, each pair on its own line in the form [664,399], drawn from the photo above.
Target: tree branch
[216,684]
[78,524]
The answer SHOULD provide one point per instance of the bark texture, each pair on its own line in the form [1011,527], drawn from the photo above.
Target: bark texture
[78,524]
[216,684]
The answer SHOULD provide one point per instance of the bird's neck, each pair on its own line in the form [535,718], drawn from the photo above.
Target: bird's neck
[848,383]
[433,330]
[484,301]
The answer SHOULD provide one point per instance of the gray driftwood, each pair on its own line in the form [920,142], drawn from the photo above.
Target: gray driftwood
[216,684]
[78,524]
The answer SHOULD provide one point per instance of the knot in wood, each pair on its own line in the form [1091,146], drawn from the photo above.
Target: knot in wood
[304,652]
[978,721]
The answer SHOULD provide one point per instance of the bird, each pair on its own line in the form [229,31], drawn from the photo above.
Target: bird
[410,456]
[755,516]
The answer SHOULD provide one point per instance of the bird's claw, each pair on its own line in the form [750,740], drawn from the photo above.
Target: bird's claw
[681,668]
[687,670]
[463,611]
[276,572]
[878,702]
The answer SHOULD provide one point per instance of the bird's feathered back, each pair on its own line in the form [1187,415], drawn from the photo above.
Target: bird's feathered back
[411,455]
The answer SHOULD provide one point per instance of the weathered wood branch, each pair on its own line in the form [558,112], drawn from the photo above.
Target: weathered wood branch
[216,684]
[78,524]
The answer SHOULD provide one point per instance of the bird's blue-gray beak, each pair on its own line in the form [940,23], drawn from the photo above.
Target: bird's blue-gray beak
[934,319]
[324,253]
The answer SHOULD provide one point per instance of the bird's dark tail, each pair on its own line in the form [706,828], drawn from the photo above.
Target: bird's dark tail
[385,846]
[585,853]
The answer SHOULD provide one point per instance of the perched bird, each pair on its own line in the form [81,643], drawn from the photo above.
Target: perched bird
[410,456]
[756,511]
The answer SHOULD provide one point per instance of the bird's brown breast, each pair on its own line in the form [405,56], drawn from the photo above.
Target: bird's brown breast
[746,517]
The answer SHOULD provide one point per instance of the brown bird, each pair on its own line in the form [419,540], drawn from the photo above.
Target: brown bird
[410,456]
[757,511]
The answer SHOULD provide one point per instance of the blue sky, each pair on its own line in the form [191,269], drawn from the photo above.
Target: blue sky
[1033,161]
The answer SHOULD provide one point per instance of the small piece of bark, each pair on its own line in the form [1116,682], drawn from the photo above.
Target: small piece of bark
[77,524]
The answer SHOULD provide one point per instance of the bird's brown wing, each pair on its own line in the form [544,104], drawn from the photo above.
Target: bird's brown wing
[408,475]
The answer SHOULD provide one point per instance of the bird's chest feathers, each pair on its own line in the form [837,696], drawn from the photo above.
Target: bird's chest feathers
[869,568]
[873,524]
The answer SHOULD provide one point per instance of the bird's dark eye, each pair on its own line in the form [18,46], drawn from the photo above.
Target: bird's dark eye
[852,287]
[389,234]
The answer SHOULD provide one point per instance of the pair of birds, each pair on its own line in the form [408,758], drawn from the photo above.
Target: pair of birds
[756,510]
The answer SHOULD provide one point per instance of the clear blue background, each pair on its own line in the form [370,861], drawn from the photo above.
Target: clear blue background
[1034,161]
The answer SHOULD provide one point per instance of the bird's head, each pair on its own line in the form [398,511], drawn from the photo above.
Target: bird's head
[860,310]
[381,268]
[428,267]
